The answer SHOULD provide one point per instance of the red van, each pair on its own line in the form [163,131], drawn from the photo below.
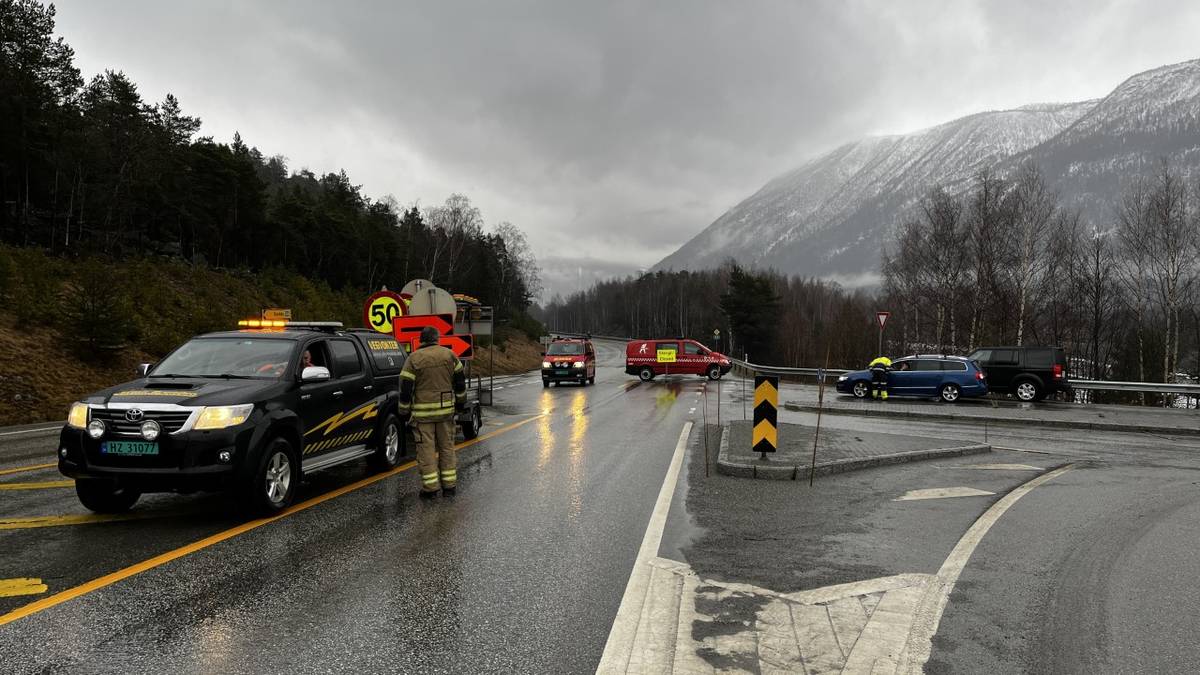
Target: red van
[650,358]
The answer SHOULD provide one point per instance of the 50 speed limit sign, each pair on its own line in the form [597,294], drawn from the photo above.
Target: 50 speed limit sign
[380,309]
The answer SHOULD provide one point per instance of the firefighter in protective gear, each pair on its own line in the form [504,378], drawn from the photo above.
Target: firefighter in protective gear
[879,377]
[432,387]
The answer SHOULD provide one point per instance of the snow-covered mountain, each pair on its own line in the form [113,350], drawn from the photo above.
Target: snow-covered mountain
[832,216]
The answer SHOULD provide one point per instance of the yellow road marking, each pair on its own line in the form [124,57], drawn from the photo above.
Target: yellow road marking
[22,586]
[164,558]
[35,467]
[82,519]
[38,486]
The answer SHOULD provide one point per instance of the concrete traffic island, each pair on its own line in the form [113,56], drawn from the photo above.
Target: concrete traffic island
[837,451]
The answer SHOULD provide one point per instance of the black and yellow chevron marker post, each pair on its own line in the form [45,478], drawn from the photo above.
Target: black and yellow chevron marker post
[766,412]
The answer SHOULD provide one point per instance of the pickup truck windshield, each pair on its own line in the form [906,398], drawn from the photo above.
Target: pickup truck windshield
[227,357]
[565,349]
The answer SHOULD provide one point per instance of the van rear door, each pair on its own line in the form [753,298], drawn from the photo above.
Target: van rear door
[666,355]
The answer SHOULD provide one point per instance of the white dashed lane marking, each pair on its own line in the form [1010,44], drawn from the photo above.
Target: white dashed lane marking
[942,493]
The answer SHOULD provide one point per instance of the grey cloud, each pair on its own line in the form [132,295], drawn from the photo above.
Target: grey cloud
[609,130]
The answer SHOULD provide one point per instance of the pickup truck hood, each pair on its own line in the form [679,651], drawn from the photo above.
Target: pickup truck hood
[189,392]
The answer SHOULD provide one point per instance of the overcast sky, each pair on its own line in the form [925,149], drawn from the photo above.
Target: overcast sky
[611,132]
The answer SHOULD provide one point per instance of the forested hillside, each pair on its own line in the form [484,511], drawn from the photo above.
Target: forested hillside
[767,316]
[122,232]
[87,168]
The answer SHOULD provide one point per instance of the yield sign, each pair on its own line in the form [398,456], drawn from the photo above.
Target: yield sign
[882,318]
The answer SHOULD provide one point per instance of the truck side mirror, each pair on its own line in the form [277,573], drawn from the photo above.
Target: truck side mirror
[314,374]
[143,369]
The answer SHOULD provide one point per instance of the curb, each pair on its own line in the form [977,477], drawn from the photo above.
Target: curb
[743,470]
[1002,421]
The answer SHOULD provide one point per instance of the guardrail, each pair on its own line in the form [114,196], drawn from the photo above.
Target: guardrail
[1136,387]
[1189,390]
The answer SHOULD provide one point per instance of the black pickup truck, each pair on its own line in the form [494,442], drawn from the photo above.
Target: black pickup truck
[247,411]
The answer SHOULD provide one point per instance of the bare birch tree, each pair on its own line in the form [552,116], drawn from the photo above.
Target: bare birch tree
[1034,207]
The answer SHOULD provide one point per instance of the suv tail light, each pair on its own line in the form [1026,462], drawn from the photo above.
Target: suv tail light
[1058,371]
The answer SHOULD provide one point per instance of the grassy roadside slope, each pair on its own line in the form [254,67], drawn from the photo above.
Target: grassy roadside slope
[68,327]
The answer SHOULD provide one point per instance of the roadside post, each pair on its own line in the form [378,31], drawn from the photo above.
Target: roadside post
[716,339]
[882,318]
[812,471]
[766,414]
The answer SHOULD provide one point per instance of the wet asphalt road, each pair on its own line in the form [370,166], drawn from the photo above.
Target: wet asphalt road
[524,570]
[1093,572]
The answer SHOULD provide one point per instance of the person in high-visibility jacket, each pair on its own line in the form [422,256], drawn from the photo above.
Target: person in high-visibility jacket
[432,387]
[879,377]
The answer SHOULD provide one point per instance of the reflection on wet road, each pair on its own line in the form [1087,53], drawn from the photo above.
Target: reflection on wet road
[522,571]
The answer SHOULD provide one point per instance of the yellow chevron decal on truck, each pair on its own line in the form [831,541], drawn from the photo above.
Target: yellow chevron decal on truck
[366,412]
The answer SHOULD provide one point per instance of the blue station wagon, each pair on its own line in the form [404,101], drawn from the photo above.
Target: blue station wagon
[946,377]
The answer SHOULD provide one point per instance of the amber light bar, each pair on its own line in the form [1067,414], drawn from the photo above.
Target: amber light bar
[261,323]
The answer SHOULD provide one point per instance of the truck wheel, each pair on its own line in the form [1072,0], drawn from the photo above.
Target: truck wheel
[271,484]
[391,445]
[714,373]
[470,428]
[105,496]
[1028,390]
[646,374]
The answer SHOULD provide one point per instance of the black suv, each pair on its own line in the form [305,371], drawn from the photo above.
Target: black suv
[1029,373]
[249,411]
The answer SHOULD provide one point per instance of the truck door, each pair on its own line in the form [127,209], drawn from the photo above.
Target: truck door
[318,405]
[358,402]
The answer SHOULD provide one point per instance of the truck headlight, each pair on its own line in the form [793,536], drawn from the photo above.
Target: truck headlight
[580,364]
[78,416]
[545,364]
[222,416]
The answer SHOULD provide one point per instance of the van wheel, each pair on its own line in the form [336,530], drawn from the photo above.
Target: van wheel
[860,389]
[105,496]
[391,445]
[949,393]
[1028,390]
[646,374]
[545,384]
[714,373]
[271,484]
[591,380]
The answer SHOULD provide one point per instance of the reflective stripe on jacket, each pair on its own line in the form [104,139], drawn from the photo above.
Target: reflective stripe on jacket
[432,383]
